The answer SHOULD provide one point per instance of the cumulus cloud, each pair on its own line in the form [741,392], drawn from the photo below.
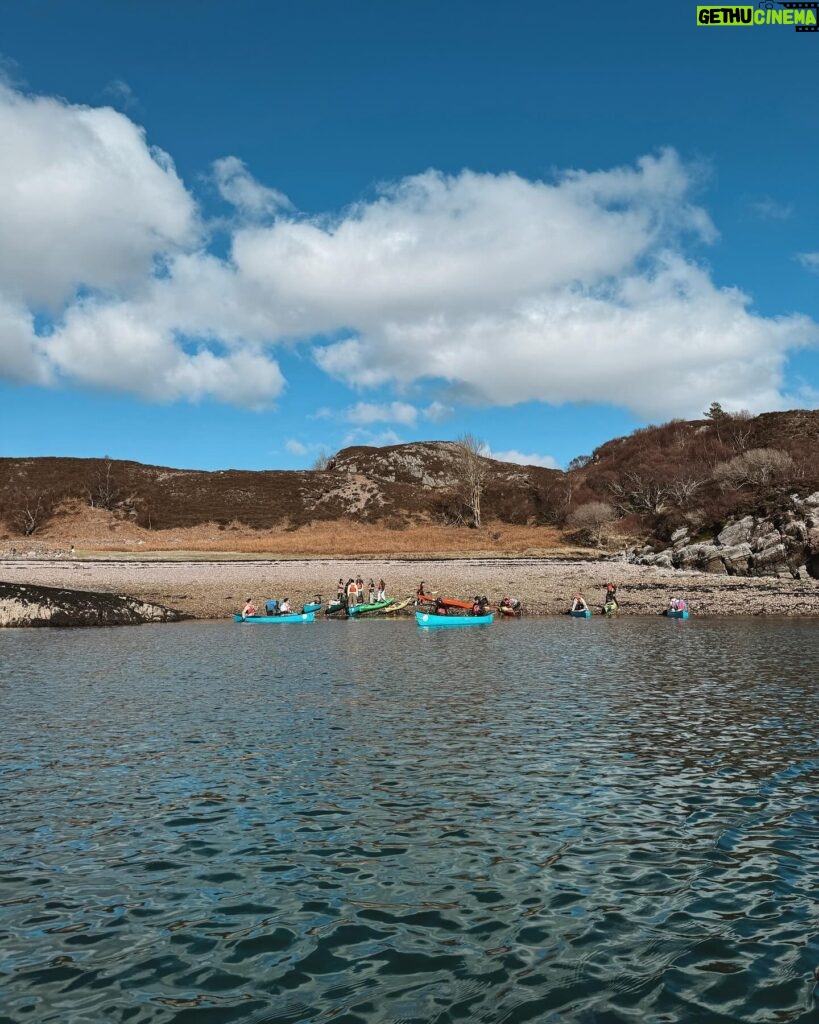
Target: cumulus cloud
[84,201]
[296,447]
[809,260]
[580,288]
[237,186]
[522,459]
[390,412]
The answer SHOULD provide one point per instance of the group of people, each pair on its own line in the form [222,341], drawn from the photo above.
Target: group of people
[271,607]
[610,603]
[353,592]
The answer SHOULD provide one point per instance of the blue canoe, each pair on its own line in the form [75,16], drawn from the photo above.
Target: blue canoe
[313,607]
[448,621]
[580,614]
[305,617]
[677,615]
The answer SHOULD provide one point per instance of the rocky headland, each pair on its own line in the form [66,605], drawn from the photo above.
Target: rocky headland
[26,604]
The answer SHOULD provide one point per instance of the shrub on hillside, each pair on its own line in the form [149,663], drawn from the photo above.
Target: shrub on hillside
[758,467]
[590,520]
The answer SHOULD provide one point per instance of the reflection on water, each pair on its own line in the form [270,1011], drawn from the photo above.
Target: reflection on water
[543,821]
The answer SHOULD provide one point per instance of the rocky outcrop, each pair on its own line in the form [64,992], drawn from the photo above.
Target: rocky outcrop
[25,605]
[787,545]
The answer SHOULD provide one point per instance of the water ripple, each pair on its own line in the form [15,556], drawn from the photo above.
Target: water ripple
[534,823]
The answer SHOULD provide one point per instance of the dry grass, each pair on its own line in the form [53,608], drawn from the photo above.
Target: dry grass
[93,531]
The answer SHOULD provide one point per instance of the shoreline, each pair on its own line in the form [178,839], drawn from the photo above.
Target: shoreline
[215,589]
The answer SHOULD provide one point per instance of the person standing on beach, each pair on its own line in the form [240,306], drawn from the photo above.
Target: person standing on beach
[611,595]
[340,590]
[371,590]
[382,591]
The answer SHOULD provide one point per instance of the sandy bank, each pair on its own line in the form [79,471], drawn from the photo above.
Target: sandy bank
[215,589]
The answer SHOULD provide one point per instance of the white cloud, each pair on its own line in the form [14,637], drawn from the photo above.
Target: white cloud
[508,290]
[437,412]
[121,94]
[22,359]
[390,412]
[237,186]
[809,260]
[521,459]
[84,202]
[768,208]
[296,447]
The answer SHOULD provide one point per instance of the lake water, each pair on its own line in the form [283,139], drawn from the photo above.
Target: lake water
[556,820]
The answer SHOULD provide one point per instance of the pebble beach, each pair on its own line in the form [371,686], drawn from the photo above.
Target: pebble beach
[215,589]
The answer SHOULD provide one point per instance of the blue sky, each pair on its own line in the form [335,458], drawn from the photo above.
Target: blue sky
[376,223]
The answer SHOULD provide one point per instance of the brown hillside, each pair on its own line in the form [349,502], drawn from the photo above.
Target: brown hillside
[396,485]
[697,475]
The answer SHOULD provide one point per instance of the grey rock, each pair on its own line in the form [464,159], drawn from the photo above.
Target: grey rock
[695,556]
[770,557]
[679,536]
[736,533]
[23,604]
[737,557]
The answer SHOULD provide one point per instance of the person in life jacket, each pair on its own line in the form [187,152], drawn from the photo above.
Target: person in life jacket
[440,607]
[249,609]
[611,594]
[579,604]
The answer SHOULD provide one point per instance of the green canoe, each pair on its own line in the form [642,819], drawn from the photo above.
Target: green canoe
[376,606]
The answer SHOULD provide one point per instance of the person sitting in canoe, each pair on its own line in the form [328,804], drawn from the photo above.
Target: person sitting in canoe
[272,606]
[284,607]
[440,607]
[382,591]
[476,606]
[677,604]
[579,604]
[249,609]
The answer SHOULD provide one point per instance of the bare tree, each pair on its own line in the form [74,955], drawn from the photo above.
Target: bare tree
[104,491]
[682,490]
[737,430]
[321,462]
[32,510]
[755,468]
[591,519]
[633,492]
[555,497]
[472,471]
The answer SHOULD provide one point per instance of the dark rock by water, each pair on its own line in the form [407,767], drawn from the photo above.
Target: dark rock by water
[26,605]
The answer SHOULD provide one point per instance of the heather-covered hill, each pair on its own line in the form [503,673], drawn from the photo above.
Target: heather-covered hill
[402,483]
[668,493]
